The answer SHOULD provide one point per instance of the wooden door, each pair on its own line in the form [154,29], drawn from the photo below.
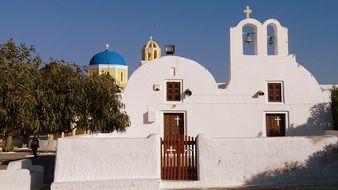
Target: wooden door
[173,124]
[275,124]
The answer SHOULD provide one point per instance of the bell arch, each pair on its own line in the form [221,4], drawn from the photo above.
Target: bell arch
[272,39]
[279,37]
[155,54]
[249,39]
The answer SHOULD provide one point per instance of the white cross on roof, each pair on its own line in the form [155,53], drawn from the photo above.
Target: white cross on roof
[247,11]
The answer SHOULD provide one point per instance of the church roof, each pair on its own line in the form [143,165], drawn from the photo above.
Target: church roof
[107,57]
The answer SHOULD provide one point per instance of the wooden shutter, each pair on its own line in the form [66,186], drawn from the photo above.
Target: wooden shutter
[173,91]
[274,92]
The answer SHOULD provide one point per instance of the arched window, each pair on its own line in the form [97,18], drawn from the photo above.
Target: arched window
[249,39]
[155,54]
[271,40]
[121,76]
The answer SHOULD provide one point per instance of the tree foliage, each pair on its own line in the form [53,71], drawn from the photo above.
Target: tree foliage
[334,99]
[19,71]
[57,97]
[98,108]
[57,106]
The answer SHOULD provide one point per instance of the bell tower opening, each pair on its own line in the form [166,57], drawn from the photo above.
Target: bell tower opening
[272,40]
[249,39]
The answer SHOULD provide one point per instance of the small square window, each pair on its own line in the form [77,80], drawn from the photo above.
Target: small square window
[275,92]
[173,91]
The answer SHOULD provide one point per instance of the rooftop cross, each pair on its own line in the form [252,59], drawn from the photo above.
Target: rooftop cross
[107,46]
[247,11]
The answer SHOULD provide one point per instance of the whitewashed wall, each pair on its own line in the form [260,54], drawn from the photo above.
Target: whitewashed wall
[93,162]
[226,162]
[107,162]
[230,112]
[234,111]
[284,160]
[15,179]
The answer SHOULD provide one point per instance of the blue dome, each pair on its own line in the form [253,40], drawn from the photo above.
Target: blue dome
[107,57]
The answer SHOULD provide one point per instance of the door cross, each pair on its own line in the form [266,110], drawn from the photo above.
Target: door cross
[177,118]
[277,120]
[171,150]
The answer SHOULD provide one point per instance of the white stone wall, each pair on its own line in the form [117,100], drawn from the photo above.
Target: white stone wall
[233,111]
[80,160]
[226,162]
[98,162]
[15,179]
[229,112]
[233,162]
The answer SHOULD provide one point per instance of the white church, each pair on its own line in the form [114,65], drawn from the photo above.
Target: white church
[268,93]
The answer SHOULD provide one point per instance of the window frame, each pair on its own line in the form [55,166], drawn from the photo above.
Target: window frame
[180,91]
[281,92]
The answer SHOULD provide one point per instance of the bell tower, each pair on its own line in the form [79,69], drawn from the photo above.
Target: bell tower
[151,50]
[251,39]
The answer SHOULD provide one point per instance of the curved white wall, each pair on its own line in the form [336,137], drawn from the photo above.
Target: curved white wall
[234,111]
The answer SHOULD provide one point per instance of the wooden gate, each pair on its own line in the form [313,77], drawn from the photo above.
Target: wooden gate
[178,158]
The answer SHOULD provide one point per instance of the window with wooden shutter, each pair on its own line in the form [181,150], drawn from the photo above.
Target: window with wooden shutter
[274,92]
[173,91]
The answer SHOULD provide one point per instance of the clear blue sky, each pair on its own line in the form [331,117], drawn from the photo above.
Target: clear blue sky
[76,30]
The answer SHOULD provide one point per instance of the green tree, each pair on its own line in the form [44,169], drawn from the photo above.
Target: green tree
[72,100]
[19,72]
[334,100]
[55,98]
[58,99]
[100,108]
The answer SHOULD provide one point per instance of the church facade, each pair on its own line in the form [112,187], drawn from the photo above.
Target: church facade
[268,92]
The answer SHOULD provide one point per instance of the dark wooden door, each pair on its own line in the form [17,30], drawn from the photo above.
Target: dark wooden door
[173,124]
[275,125]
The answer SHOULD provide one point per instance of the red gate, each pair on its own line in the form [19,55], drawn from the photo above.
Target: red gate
[178,158]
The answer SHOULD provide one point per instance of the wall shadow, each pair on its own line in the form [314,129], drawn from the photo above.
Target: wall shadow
[321,167]
[48,163]
[319,120]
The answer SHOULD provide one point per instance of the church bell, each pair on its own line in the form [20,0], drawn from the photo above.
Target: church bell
[248,38]
[271,40]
